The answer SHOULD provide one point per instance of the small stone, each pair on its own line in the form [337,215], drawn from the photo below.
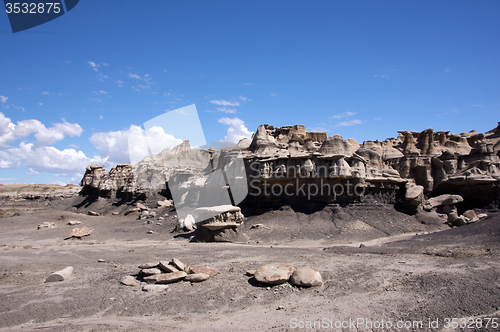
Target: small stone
[178,264]
[149,265]
[60,275]
[168,278]
[460,221]
[250,273]
[80,232]
[93,213]
[115,213]
[152,214]
[158,224]
[482,215]
[46,225]
[167,267]
[131,211]
[306,277]
[257,226]
[362,245]
[150,232]
[274,274]
[470,214]
[197,277]
[154,288]
[129,281]
[74,222]
[141,206]
[100,260]
[280,307]
[149,272]
[212,272]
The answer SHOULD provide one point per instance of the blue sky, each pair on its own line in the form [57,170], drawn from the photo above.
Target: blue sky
[74,89]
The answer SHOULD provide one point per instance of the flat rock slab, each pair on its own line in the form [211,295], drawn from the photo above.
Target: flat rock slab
[167,267]
[129,281]
[151,279]
[60,275]
[149,265]
[74,222]
[197,277]
[80,231]
[211,271]
[306,277]
[274,274]
[442,200]
[178,264]
[149,272]
[168,278]
[46,225]
[154,288]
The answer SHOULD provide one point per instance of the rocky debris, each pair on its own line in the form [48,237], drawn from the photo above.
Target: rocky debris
[460,221]
[74,222]
[46,224]
[167,278]
[115,213]
[196,277]
[129,211]
[149,265]
[129,281]
[155,288]
[142,207]
[442,200]
[188,224]
[151,232]
[166,203]
[306,277]
[274,274]
[257,226]
[471,216]
[100,260]
[219,224]
[482,215]
[61,275]
[93,213]
[80,232]
[165,272]
[210,271]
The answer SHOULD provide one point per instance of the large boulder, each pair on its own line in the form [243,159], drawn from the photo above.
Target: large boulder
[306,277]
[442,200]
[274,274]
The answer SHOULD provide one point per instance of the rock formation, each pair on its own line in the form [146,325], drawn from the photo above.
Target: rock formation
[289,165]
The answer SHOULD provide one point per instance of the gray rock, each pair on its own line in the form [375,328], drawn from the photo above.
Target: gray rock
[178,264]
[274,274]
[74,222]
[482,215]
[151,279]
[149,265]
[306,277]
[93,213]
[167,267]
[452,217]
[129,281]
[212,272]
[149,272]
[460,221]
[100,260]
[62,275]
[168,278]
[46,225]
[471,215]
[250,273]
[141,206]
[115,213]
[155,288]
[197,277]
[442,200]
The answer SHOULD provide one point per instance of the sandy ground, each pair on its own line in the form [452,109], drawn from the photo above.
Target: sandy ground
[408,273]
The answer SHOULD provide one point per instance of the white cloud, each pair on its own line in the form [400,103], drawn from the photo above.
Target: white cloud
[101,92]
[243,98]
[227,110]
[93,65]
[3,99]
[273,94]
[135,76]
[248,83]
[10,132]
[236,131]
[105,64]
[40,104]
[343,115]
[223,102]
[45,159]
[32,172]
[44,93]
[114,145]
[349,123]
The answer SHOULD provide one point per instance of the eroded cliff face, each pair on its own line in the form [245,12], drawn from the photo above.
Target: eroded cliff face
[289,164]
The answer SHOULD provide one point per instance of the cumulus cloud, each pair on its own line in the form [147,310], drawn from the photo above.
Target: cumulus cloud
[236,131]
[114,145]
[10,132]
[3,99]
[223,102]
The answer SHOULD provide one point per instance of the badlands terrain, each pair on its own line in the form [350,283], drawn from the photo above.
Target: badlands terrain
[419,248]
